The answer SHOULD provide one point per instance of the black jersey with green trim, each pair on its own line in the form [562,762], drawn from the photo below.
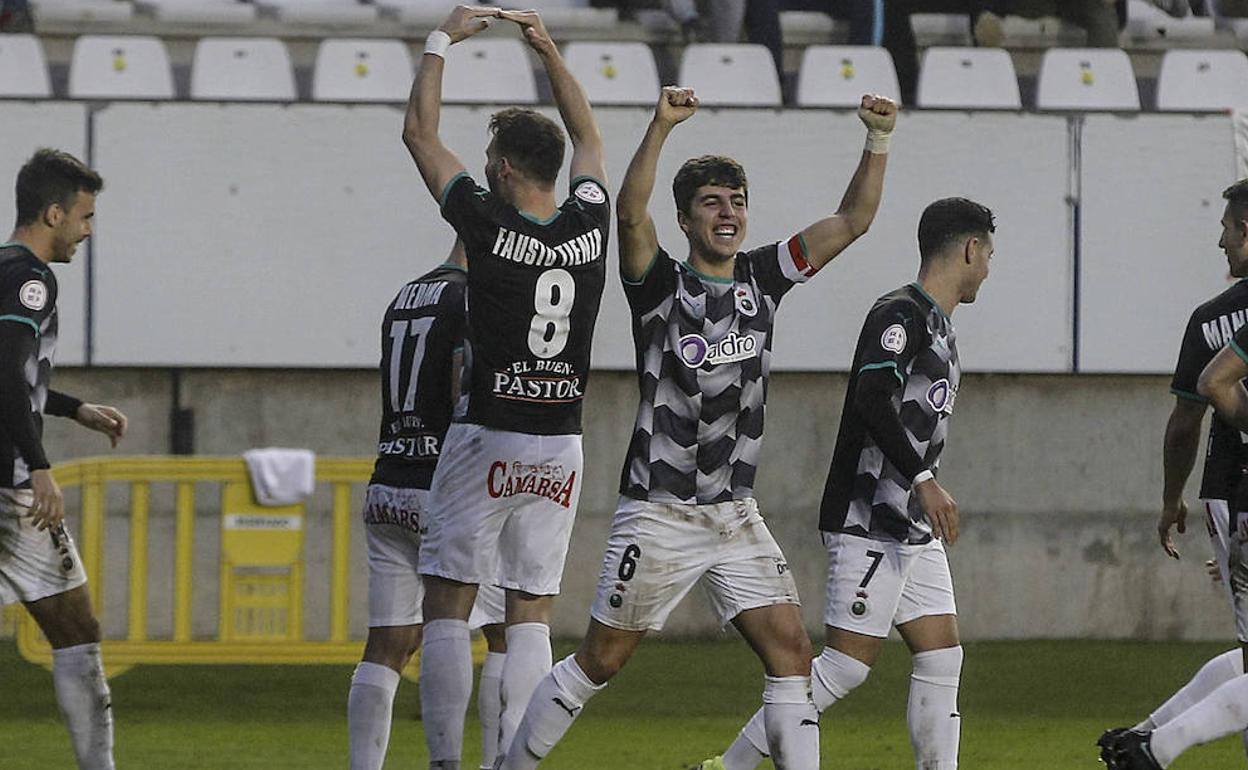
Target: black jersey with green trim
[533,294]
[908,334]
[422,329]
[1212,326]
[28,297]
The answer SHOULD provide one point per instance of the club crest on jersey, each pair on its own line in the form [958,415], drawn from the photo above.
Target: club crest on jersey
[589,192]
[33,294]
[548,480]
[894,338]
[744,301]
[695,350]
[940,396]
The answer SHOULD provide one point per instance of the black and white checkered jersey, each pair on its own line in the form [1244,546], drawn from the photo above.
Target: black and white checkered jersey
[703,349]
[533,295]
[907,334]
[27,297]
[1211,327]
[422,329]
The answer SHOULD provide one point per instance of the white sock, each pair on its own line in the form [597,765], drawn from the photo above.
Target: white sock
[556,703]
[528,660]
[932,713]
[369,707]
[832,676]
[445,688]
[792,723]
[490,706]
[82,692]
[1215,673]
[1223,712]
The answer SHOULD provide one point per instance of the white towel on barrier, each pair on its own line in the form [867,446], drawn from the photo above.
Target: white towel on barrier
[281,476]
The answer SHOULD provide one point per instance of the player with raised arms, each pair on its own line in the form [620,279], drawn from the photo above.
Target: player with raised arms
[505,492]
[702,329]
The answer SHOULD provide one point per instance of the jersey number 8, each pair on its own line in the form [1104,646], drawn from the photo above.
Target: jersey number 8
[552,299]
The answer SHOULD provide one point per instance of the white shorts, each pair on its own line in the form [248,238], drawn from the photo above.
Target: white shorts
[395,592]
[32,566]
[501,508]
[1230,551]
[876,584]
[656,552]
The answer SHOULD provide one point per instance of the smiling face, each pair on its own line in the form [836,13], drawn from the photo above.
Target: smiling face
[70,226]
[1234,241]
[979,251]
[716,222]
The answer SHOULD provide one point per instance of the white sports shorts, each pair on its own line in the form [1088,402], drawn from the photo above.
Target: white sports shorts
[656,552]
[501,508]
[32,566]
[876,584]
[1230,551]
[395,592]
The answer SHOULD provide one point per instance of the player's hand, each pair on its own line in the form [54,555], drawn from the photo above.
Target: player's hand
[105,419]
[941,510]
[877,113]
[1171,516]
[1211,567]
[534,30]
[467,20]
[676,105]
[48,507]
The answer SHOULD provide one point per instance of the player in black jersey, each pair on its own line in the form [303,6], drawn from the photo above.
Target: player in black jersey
[506,489]
[1213,343]
[39,564]
[687,514]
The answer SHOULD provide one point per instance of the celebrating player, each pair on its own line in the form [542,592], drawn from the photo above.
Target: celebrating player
[702,329]
[505,491]
[883,514]
[421,360]
[1210,370]
[39,564]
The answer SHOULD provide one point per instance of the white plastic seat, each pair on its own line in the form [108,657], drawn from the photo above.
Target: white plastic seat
[614,73]
[1087,79]
[362,71]
[120,67]
[742,74]
[79,11]
[1207,80]
[838,75]
[242,68]
[968,79]
[489,70]
[23,67]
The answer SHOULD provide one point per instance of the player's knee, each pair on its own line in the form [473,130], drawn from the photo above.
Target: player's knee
[834,674]
[943,666]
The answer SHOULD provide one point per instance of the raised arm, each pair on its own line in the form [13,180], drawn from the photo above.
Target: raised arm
[1222,383]
[638,240]
[578,118]
[831,235]
[437,164]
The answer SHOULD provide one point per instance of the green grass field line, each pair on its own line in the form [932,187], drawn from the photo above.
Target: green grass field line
[1034,705]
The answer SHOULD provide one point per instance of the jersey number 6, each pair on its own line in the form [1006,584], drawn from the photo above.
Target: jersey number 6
[552,299]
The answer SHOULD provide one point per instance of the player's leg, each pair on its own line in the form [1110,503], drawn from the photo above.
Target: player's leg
[446,668]
[1223,712]
[370,702]
[529,656]
[490,692]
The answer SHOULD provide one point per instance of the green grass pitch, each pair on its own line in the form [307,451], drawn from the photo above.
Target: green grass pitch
[1034,705]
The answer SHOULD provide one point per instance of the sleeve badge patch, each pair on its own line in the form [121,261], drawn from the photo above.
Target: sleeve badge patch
[590,192]
[894,338]
[33,294]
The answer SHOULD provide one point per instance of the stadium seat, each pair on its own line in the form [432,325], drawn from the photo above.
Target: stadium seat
[968,79]
[120,67]
[489,70]
[80,11]
[207,12]
[362,71]
[941,28]
[614,73]
[23,67]
[326,12]
[742,74]
[838,75]
[423,13]
[242,68]
[1196,81]
[1087,79]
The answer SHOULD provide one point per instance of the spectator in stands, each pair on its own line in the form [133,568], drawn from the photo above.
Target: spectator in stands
[721,21]
[15,16]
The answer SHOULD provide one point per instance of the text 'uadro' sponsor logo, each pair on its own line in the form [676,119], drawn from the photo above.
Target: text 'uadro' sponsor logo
[695,350]
[548,480]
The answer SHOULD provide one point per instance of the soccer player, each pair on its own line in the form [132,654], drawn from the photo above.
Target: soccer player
[39,564]
[1211,704]
[883,514]
[505,492]
[421,360]
[702,330]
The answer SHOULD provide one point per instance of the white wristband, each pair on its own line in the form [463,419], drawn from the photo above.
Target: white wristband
[877,141]
[923,476]
[437,43]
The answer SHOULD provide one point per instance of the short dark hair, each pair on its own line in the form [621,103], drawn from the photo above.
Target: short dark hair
[52,176]
[708,169]
[949,219]
[529,141]
[1237,196]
